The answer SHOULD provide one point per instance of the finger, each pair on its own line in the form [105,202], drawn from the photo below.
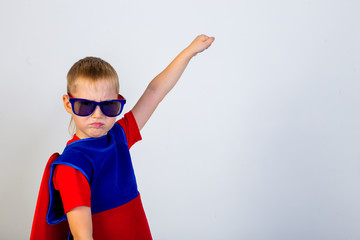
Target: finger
[202,37]
[209,41]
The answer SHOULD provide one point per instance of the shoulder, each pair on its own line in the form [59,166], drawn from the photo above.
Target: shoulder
[131,130]
[76,157]
[127,120]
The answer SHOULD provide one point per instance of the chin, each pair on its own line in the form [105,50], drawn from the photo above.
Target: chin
[97,134]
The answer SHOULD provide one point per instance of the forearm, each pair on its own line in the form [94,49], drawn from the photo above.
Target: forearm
[80,223]
[167,79]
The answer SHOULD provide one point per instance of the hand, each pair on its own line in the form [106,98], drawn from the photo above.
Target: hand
[200,43]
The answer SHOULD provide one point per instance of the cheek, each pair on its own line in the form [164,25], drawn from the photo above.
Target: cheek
[110,122]
[79,121]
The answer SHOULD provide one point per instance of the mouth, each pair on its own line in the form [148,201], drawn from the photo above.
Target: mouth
[97,125]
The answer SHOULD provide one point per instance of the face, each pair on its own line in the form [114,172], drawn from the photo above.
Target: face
[96,124]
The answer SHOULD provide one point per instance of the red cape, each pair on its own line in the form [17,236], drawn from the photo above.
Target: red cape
[41,230]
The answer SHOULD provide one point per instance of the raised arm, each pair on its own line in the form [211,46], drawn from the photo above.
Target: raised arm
[166,80]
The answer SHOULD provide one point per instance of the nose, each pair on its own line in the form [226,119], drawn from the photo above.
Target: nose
[97,113]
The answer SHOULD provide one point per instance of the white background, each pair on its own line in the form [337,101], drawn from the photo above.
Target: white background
[259,140]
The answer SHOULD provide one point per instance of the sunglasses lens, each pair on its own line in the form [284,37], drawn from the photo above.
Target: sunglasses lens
[83,108]
[111,108]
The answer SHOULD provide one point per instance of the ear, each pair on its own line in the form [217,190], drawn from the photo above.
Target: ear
[67,103]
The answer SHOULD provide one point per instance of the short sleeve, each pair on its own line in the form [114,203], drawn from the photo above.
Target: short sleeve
[73,187]
[131,129]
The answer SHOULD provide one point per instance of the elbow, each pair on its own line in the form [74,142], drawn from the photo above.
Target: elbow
[155,91]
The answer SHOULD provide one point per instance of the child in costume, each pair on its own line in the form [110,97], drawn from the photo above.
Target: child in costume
[90,191]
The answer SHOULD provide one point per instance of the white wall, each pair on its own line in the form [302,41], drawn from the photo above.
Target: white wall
[259,140]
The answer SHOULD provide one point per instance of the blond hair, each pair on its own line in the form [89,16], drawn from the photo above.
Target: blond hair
[92,70]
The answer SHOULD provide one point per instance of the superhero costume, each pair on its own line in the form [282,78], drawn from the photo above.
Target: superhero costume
[115,202]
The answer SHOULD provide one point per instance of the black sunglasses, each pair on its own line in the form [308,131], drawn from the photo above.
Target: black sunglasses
[84,107]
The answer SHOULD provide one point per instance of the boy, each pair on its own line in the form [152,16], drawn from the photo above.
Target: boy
[92,184]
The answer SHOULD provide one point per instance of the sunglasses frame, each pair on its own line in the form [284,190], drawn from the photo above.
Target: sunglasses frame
[120,99]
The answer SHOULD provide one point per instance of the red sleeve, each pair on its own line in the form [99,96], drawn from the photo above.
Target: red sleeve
[132,132]
[73,187]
